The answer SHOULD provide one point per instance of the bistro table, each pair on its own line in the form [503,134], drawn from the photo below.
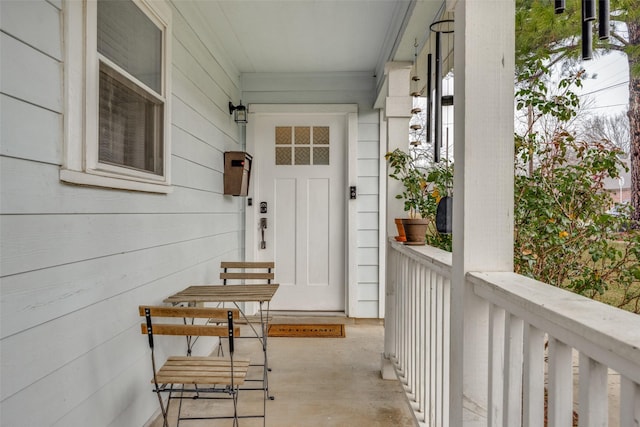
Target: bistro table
[262,294]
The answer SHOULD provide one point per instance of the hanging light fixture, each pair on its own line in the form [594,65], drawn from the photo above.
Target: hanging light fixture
[239,112]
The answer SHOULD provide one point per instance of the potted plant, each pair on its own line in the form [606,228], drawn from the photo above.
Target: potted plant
[414,180]
[425,189]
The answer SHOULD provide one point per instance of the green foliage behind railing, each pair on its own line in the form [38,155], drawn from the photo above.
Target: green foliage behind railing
[563,233]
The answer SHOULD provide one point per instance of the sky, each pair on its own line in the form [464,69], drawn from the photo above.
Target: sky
[607,85]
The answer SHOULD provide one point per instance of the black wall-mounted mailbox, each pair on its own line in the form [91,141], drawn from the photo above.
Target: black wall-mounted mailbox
[237,171]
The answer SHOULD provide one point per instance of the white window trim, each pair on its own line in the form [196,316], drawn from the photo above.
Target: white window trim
[80,165]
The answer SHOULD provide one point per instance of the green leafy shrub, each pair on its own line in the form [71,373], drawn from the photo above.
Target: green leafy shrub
[563,233]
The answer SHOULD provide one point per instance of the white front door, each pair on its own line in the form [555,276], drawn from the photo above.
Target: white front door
[299,171]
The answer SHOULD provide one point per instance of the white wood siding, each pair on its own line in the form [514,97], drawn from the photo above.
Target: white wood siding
[76,261]
[339,88]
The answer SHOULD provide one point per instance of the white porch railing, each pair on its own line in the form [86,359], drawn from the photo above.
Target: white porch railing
[536,333]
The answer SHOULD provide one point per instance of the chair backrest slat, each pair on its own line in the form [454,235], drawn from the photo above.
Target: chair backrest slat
[188,330]
[190,312]
[247,276]
[247,264]
[219,321]
[249,271]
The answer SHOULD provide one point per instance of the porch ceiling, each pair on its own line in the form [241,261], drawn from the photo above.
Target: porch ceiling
[272,36]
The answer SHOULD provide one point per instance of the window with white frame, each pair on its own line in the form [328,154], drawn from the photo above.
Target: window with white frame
[122,139]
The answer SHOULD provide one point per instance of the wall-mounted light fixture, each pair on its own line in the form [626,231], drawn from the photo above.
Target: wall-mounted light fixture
[239,112]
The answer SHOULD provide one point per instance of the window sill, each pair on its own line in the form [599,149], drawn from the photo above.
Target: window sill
[96,180]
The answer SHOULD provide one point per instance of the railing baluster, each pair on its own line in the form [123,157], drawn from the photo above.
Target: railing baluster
[514,360]
[629,402]
[497,319]
[593,401]
[446,331]
[439,348]
[427,348]
[523,313]
[433,349]
[533,399]
[560,384]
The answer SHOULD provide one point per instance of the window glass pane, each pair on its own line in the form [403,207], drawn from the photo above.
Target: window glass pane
[283,135]
[321,155]
[130,124]
[303,155]
[303,135]
[131,40]
[321,135]
[283,156]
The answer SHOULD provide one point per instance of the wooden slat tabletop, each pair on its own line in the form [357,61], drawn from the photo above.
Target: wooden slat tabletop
[221,293]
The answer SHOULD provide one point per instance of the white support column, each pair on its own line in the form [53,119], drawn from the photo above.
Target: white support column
[483,189]
[397,113]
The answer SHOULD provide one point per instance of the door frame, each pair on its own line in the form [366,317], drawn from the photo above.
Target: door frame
[350,114]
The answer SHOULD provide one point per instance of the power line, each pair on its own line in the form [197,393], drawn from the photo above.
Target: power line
[606,88]
[606,106]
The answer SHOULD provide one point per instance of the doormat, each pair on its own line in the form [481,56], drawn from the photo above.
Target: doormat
[307,331]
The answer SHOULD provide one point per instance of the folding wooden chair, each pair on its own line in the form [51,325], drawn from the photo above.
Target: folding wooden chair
[253,273]
[198,377]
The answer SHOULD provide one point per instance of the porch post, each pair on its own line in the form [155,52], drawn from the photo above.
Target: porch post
[397,113]
[483,189]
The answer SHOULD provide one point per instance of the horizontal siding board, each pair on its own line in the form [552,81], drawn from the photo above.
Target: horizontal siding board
[369,116]
[188,27]
[85,356]
[367,256]
[36,23]
[368,292]
[21,138]
[368,310]
[207,105]
[78,260]
[81,332]
[30,75]
[31,242]
[368,203]
[191,121]
[368,185]
[368,168]
[369,132]
[368,274]
[34,188]
[368,149]
[110,406]
[367,238]
[193,175]
[56,3]
[368,220]
[187,146]
[37,297]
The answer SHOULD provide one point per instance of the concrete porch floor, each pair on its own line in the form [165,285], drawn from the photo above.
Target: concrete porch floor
[319,382]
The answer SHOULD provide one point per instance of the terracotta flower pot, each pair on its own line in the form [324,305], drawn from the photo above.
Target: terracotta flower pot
[401,237]
[416,230]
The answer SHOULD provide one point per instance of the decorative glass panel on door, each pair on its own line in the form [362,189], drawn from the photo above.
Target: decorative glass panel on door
[302,145]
